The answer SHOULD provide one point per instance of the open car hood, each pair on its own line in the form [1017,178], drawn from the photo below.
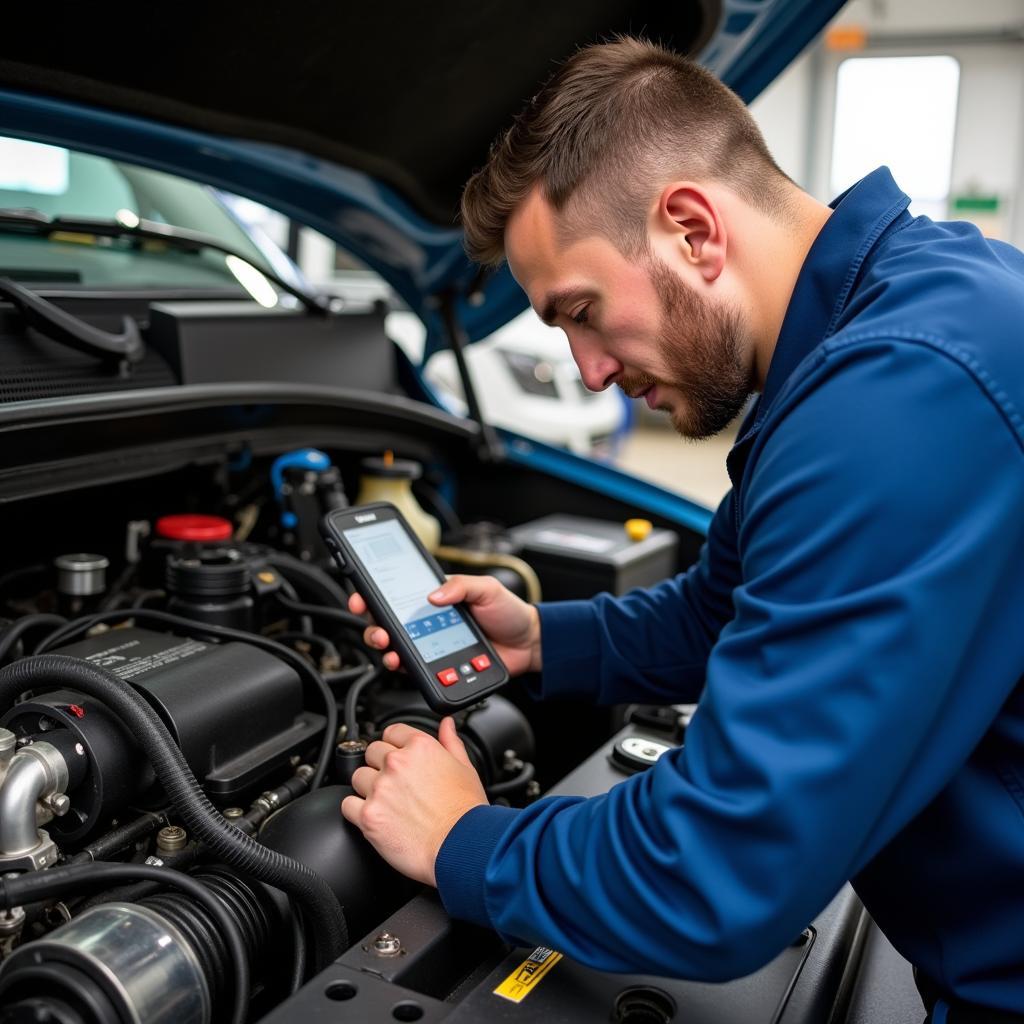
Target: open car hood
[362,121]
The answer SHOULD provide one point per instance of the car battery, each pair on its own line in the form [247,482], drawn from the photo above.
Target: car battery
[577,557]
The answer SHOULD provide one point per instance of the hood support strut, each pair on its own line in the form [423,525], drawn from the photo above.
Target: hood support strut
[489,446]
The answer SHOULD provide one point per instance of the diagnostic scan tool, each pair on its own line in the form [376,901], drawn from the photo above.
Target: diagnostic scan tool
[442,649]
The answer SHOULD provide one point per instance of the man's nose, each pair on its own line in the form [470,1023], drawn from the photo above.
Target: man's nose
[597,368]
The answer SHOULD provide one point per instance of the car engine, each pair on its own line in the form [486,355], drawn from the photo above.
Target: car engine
[197,719]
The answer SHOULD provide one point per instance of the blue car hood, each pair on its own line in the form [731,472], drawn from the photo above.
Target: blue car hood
[361,121]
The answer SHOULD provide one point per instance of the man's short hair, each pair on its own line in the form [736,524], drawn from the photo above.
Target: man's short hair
[614,124]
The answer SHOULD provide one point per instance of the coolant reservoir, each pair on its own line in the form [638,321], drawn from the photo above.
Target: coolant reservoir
[390,479]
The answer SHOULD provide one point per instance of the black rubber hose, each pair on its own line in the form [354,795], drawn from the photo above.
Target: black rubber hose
[355,691]
[345,675]
[17,629]
[190,627]
[299,951]
[317,611]
[519,781]
[66,881]
[327,648]
[117,839]
[227,843]
[305,623]
[308,579]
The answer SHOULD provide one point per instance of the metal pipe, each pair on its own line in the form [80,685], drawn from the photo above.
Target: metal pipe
[35,771]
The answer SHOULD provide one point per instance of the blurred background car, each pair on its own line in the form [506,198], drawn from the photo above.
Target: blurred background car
[526,381]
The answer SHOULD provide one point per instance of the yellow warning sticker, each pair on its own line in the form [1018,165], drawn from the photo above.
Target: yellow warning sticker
[527,976]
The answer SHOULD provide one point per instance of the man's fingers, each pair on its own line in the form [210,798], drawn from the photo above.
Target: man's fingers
[352,810]
[452,742]
[377,753]
[400,734]
[356,604]
[471,589]
[364,779]
[374,636]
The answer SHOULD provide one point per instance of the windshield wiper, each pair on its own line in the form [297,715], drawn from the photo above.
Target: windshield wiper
[58,324]
[32,222]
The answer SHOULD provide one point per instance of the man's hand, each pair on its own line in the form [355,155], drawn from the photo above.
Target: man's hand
[412,791]
[512,625]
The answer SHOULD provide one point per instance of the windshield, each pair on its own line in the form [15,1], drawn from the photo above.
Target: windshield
[61,182]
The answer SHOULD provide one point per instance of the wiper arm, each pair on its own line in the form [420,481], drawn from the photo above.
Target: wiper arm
[33,222]
[61,326]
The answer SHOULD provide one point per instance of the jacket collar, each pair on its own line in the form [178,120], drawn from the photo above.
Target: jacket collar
[860,217]
[833,264]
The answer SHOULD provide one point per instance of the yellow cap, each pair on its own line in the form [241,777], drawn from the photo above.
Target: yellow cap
[638,529]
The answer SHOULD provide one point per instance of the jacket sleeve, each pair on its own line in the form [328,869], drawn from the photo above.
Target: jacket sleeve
[650,644]
[873,645]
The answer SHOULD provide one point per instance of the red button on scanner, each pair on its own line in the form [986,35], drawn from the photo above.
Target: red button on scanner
[480,662]
[448,676]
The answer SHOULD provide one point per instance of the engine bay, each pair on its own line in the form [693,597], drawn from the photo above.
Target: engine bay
[182,706]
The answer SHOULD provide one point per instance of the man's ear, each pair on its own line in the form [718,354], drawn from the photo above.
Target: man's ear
[688,214]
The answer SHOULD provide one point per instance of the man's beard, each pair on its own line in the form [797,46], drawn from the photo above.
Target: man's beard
[700,344]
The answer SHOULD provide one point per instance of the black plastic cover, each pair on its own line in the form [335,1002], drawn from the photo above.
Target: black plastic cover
[235,711]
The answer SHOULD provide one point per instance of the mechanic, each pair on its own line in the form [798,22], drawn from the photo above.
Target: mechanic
[854,619]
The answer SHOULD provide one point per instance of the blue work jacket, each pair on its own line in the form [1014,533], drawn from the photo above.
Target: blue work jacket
[856,624]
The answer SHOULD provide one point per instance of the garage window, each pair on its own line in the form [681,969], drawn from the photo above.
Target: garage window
[899,111]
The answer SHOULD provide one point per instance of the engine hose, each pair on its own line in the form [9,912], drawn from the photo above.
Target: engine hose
[54,671]
[355,691]
[519,781]
[55,883]
[17,629]
[248,912]
[338,615]
[190,627]
[308,579]
[119,838]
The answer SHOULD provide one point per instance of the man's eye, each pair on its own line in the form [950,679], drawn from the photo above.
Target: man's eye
[582,316]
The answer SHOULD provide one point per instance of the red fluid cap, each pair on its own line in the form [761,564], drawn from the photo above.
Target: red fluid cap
[202,529]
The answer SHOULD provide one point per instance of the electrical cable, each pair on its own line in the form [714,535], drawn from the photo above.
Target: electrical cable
[327,648]
[355,691]
[519,781]
[307,579]
[17,629]
[121,837]
[345,675]
[344,618]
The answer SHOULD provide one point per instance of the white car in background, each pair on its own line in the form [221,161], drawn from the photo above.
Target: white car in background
[526,381]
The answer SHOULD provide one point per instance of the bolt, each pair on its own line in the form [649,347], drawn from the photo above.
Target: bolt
[233,812]
[79,750]
[11,921]
[532,790]
[171,838]
[154,862]
[387,944]
[305,772]
[59,803]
